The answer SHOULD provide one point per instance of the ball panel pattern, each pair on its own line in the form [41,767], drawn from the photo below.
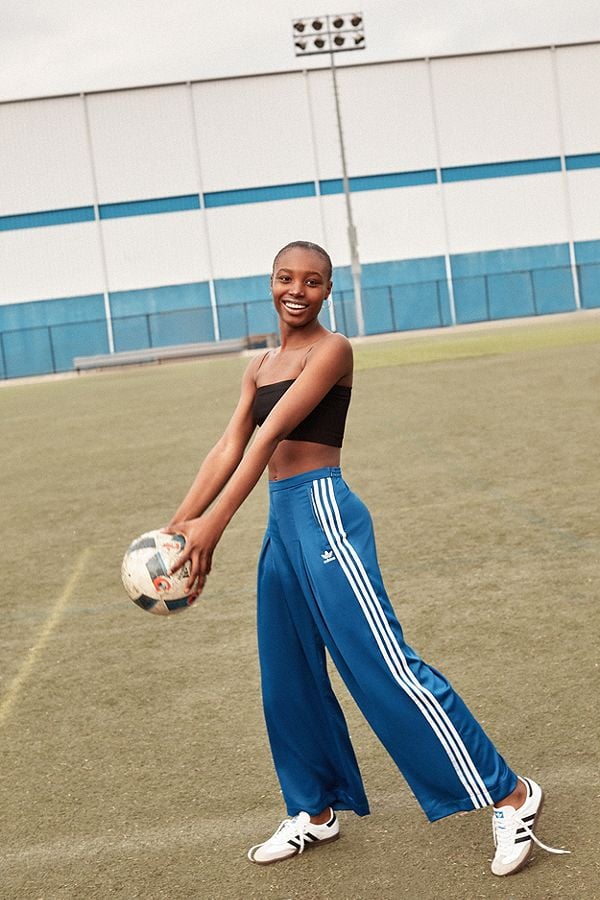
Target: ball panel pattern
[145,574]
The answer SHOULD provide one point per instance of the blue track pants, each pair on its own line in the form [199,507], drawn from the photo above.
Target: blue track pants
[319,586]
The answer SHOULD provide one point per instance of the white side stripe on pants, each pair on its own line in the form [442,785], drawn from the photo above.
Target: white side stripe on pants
[330,520]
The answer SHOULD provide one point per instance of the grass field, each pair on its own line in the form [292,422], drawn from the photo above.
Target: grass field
[134,760]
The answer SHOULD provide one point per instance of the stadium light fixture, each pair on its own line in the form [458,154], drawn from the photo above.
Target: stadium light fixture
[317,29]
[334,34]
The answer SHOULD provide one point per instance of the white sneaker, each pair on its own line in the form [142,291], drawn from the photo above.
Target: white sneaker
[292,836]
[513,831]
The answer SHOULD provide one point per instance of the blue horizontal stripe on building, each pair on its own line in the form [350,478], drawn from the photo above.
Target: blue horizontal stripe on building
[501,169]
[149,207]
[379,182]
[260,194]
[47,217]
[583,161]
[296,190]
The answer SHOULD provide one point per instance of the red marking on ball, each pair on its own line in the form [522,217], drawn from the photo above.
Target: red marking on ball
[161,583]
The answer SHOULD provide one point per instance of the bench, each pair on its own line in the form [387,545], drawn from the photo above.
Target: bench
[174,351]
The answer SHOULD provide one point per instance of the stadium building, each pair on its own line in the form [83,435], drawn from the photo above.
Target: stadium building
[149,216]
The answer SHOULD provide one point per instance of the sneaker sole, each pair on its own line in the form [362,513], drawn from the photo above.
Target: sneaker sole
[529,853]
[269,862]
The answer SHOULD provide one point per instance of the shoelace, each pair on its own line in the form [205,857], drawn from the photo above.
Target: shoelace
[294,828]
[504,835]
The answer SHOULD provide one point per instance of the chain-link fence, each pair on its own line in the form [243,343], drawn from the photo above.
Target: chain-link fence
[388,308]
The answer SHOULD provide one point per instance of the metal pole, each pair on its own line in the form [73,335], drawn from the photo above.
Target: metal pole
[352,240]
[565,180]
[204,215]
[313,135]
[102,249]
[442,196]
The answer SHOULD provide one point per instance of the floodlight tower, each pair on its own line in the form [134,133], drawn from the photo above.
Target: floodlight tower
[331,35]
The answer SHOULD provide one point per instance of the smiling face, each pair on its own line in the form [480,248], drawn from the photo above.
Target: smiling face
[300,283]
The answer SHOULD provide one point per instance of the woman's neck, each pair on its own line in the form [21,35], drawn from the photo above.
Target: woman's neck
[301,338]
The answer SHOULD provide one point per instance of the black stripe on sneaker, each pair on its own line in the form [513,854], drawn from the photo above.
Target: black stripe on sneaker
[294,843]
[521,840]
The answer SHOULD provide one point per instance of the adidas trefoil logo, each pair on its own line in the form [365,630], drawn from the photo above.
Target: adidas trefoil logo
[328,556]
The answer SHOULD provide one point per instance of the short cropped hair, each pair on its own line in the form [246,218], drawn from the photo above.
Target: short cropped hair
[307,245]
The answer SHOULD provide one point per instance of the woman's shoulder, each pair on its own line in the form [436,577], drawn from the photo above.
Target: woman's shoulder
[255,364]
[339,338]
[333,354]
[336,344]
[332,342]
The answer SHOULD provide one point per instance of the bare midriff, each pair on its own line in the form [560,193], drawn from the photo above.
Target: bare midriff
[294,457]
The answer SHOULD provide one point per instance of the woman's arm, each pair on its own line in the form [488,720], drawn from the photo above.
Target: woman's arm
[325,367]
[223,459]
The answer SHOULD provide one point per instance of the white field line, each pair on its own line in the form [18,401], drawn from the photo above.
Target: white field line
[27,666]
[208,833]
[205,832]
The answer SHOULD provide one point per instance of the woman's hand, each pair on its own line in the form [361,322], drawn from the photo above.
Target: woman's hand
[201,537]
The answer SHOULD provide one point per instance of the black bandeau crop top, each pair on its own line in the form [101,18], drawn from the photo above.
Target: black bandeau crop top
[324,425]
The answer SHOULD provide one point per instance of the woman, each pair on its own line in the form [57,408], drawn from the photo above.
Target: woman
[319,586]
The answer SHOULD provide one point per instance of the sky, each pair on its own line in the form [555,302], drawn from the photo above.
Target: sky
[52,47]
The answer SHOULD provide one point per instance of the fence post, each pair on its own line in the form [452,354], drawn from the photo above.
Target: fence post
[392,310]
[532,282]
[578,268]
[486,291]
[51,343]
[438,299]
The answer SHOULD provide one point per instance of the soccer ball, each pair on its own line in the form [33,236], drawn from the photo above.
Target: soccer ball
[145,574]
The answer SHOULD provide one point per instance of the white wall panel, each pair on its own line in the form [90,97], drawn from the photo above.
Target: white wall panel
[61,261]
[584,193]
[335,230]
[44,161]
[244,239]
[254,132]
[506,212]
[496,107]
[147,251]
[143,143]
[397,224]
[386,119]
[579,79]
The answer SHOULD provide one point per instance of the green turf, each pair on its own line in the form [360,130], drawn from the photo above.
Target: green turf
[465,343]
[134,760]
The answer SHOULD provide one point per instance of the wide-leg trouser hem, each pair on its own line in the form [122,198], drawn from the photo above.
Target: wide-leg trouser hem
[437,811]
[338,801]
